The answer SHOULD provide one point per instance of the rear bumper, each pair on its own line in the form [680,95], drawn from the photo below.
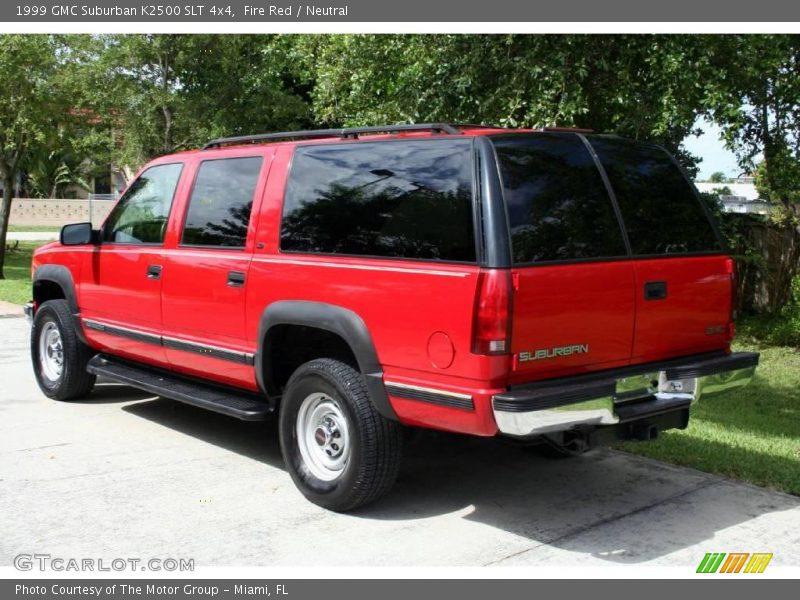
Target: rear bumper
[619,396]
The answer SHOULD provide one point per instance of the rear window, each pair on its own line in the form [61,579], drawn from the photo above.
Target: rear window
[661,212]
[403,199]
[558,207]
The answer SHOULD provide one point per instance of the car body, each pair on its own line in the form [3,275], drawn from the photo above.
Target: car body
[557,287]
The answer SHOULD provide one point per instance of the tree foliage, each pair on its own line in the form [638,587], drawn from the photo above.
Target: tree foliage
[165,93]
[123,99]
[754,94]
[30,101]
[645,87]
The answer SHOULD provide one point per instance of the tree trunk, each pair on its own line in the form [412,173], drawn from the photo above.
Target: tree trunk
[5,213]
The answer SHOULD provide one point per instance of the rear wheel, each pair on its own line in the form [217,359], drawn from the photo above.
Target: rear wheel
[340,452]
[59,357]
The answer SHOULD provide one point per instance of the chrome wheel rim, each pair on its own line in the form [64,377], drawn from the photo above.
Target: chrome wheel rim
[51,352]
[323,436]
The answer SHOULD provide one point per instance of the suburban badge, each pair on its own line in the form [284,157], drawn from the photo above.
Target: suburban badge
[553,352]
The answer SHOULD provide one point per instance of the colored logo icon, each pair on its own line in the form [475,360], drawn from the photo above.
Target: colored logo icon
[734,562]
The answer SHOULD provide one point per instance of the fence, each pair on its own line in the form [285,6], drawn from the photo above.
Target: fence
[57,212]
[769,257]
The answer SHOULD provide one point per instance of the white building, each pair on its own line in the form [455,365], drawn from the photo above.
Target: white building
[742,199]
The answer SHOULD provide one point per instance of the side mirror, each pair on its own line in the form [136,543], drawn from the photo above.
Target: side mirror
[77,234]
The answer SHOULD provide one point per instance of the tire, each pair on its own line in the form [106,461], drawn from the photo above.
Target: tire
[341,453]
[53,337]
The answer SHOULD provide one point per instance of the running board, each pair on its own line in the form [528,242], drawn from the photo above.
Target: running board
[234,403]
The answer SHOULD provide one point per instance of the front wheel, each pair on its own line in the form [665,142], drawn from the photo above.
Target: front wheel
[340,452]
[59,357]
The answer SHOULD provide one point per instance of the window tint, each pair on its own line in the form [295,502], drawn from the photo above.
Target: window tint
[661,211]
[140,217]
[410,199]
[558,207]
[221,201]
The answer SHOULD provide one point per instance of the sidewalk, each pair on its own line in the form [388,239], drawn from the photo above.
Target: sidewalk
[31,236]
[7,309]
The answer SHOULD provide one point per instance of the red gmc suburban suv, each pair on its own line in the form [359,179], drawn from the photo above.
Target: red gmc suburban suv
[558,287]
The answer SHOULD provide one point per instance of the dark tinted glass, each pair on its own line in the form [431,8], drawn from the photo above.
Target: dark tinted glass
[558,207]
[221,201]
[661,211]
[140,217]
[409,199]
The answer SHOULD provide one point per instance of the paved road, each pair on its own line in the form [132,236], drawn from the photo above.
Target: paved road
[124,474]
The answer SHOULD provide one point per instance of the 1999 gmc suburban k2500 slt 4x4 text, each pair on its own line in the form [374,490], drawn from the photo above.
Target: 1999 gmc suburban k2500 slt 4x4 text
[554,286]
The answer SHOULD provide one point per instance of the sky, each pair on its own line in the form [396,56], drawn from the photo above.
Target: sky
[711,149]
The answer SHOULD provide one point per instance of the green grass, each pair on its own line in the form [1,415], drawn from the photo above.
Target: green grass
[25,228]
[16,287]
[752,434]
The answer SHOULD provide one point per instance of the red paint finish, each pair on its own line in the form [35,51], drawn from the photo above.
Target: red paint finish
[694,316]
[589,304]
[114,288]
[197,302]
[419,414]
[440,350]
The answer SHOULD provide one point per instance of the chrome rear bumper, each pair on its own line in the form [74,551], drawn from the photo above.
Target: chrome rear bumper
[619,396]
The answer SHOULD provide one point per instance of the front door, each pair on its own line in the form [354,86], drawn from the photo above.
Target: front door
[120,293]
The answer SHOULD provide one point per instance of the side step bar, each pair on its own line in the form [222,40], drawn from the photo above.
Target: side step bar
[239,404]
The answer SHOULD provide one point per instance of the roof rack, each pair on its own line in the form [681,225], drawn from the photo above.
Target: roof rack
[565,129]
[348,132]
[477,126]
[539,129]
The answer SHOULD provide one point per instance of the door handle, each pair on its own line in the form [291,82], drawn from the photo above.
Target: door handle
[153,271]
[655,290]
[235,278]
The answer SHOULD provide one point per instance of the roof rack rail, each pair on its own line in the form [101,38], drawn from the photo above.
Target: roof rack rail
[565,129]
[347,132]
[477,126]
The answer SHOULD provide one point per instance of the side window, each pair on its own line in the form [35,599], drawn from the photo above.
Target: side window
[221,202]
[659,207]
[140,217]
[558,207]
[404,199]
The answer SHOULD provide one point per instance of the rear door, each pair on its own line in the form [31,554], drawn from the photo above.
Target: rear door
[575,300]
[206,272]
[682,277]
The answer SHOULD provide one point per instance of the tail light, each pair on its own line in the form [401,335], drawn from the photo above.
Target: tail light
[730,267]
[491,331]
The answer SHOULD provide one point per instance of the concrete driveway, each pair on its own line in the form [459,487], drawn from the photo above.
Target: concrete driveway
[124,474]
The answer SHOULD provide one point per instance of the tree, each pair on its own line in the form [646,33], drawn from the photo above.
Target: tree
[165,93]
[29,101]
[645,87]
[718,177]
[754,94]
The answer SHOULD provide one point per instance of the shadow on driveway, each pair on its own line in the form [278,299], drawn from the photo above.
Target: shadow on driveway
[607,504]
